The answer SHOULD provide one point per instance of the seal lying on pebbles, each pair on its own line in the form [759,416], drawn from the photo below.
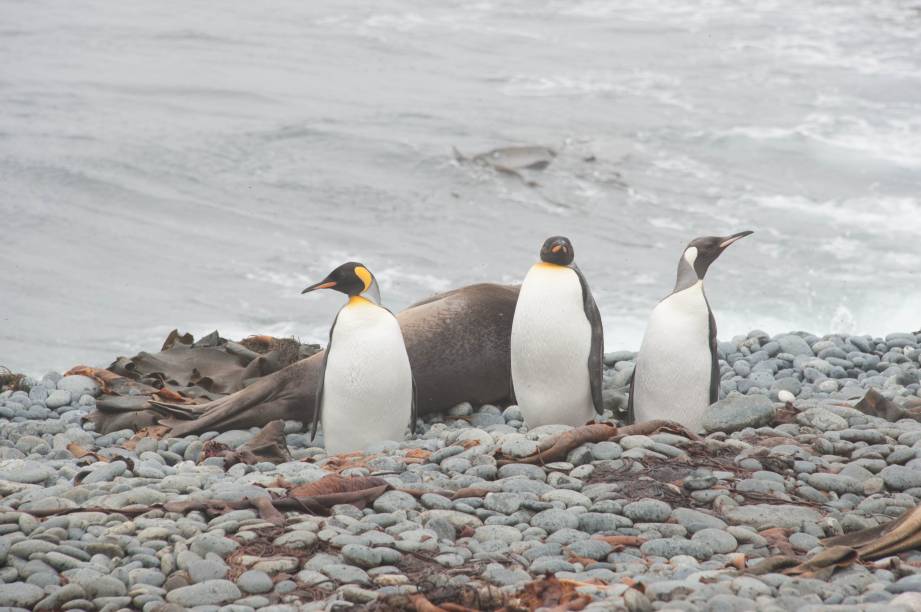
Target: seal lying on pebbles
[677,371]
[365,385]
[458,345]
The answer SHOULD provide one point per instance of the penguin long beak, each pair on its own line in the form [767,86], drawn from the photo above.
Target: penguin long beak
[730,239]
[324,284]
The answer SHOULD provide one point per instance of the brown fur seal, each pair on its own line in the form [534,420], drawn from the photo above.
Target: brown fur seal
[458,344]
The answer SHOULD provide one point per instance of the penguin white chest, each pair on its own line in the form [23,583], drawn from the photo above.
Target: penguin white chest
[551,341]
[367,385]
[674,364]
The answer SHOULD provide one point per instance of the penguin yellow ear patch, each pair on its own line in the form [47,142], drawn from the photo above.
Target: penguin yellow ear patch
[365,276]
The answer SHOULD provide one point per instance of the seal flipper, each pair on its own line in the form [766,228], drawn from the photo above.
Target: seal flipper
[596,351]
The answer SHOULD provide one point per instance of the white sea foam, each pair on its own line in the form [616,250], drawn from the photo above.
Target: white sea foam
[665,223]
[893,139]
[896,215]
[841,247]
[661,87]
[424,283]
[843,321]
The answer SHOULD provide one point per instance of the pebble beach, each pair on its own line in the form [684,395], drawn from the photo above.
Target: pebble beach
[643,522]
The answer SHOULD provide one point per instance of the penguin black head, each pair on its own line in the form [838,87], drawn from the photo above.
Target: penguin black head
[352,279]
[699,254]
[557,250]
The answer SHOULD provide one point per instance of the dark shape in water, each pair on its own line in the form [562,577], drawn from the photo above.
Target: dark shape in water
[512,160]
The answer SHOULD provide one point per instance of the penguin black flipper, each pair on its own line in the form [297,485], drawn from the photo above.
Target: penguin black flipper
[714,361]
[318,397]
[414,410]
[631,416]
[596,351]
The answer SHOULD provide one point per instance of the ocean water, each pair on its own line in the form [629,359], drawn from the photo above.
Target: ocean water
[195,165]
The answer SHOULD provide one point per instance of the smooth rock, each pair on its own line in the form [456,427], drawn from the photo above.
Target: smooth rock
[737,412]
[648,511]
[555,519]
[717,540]
[255,581]
[79,385]
[211,592]
[20,595]
[900,477]
[764,516]
[672,547]
[347,574]
[391,501]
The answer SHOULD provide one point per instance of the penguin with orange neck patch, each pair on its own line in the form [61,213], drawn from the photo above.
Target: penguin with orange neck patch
[365,393]
[557,342]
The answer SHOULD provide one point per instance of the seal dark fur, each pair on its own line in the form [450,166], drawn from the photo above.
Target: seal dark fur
[458,345]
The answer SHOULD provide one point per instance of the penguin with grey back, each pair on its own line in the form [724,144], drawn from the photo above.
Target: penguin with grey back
[557,342]
[365,393]
[677,369]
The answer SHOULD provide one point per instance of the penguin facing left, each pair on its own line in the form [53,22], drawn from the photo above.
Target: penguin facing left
[365,392]
[557,342]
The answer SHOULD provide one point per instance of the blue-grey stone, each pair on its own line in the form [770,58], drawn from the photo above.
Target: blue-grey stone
[79,385]
[648,511]
[737,412]
[211,592]
[717,540]
[58,398]
[555,519]
[793,345]
[672,547]
[346,574]
[255,581]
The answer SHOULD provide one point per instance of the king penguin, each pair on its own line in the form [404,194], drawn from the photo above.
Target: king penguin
[365,392]
[677,370]
[557,342]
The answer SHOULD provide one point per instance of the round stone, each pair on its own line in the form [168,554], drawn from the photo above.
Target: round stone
[555,519]
[391,501]
[737,412]
[255,581]
[502,533]
[362,556]
[716,540]
[648,511]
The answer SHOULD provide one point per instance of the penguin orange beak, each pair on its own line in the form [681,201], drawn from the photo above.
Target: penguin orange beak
[730,239]
[556,248]
[320,285]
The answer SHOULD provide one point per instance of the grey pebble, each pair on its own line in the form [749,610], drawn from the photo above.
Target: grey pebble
[346,574]
[255,582]
[672,547]
[737,412]
[717,540]
[648,511]
[211,592]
